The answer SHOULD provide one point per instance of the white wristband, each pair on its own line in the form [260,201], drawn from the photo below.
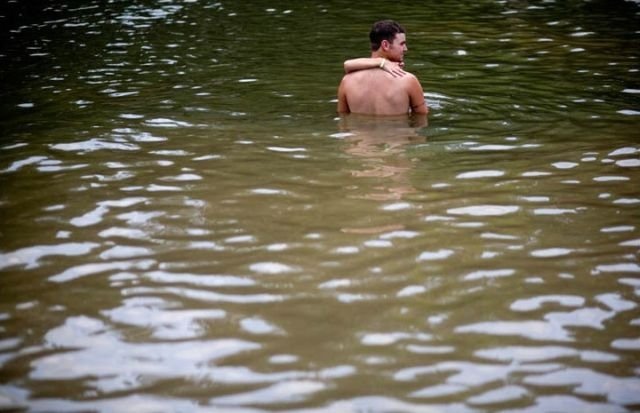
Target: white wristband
[382,63]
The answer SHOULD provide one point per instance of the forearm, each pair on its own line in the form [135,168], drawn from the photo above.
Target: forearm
[362,63]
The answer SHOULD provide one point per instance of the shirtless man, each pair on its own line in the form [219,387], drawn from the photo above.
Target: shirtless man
[378,85]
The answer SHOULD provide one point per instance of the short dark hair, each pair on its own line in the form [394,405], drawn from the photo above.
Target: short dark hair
[384,30]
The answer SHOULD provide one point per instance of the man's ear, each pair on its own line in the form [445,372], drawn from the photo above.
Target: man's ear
[385,45]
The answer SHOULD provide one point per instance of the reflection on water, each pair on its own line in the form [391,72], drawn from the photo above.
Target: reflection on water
[381,143]
[185,225]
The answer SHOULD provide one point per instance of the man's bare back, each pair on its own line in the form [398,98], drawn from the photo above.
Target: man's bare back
[378,85]
[378,92]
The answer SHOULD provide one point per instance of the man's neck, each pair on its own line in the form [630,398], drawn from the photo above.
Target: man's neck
[378,54]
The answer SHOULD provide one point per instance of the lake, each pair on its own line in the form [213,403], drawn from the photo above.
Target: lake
[187,225]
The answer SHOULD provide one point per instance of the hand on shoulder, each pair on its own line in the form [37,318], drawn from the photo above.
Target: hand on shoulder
[393,68]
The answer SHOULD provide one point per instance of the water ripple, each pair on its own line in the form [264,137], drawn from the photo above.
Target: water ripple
[167,123]
[522,354]
[167,324]
[271,268]
[481,274]
[94,144]
[280,393]
[30,257]
[95,216]
[484,210]
[551,252]
[207,296]
[84,270]
[17,165]
[531,329]
[480,174]
[501,395]
[199,279]
[125,369]
[385,339]
[435,255]
[588,382]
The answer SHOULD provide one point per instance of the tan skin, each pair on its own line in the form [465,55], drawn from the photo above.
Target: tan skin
[390,91]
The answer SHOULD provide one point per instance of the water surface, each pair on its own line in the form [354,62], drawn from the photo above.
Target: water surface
[187,225]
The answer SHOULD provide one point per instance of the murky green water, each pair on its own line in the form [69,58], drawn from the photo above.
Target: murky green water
[186,225]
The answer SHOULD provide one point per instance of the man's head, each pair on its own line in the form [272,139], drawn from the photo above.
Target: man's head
[388,38]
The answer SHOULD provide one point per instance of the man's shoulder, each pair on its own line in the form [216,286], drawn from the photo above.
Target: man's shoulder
[409,80]
[376,79]
[349,77]
[409,76]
